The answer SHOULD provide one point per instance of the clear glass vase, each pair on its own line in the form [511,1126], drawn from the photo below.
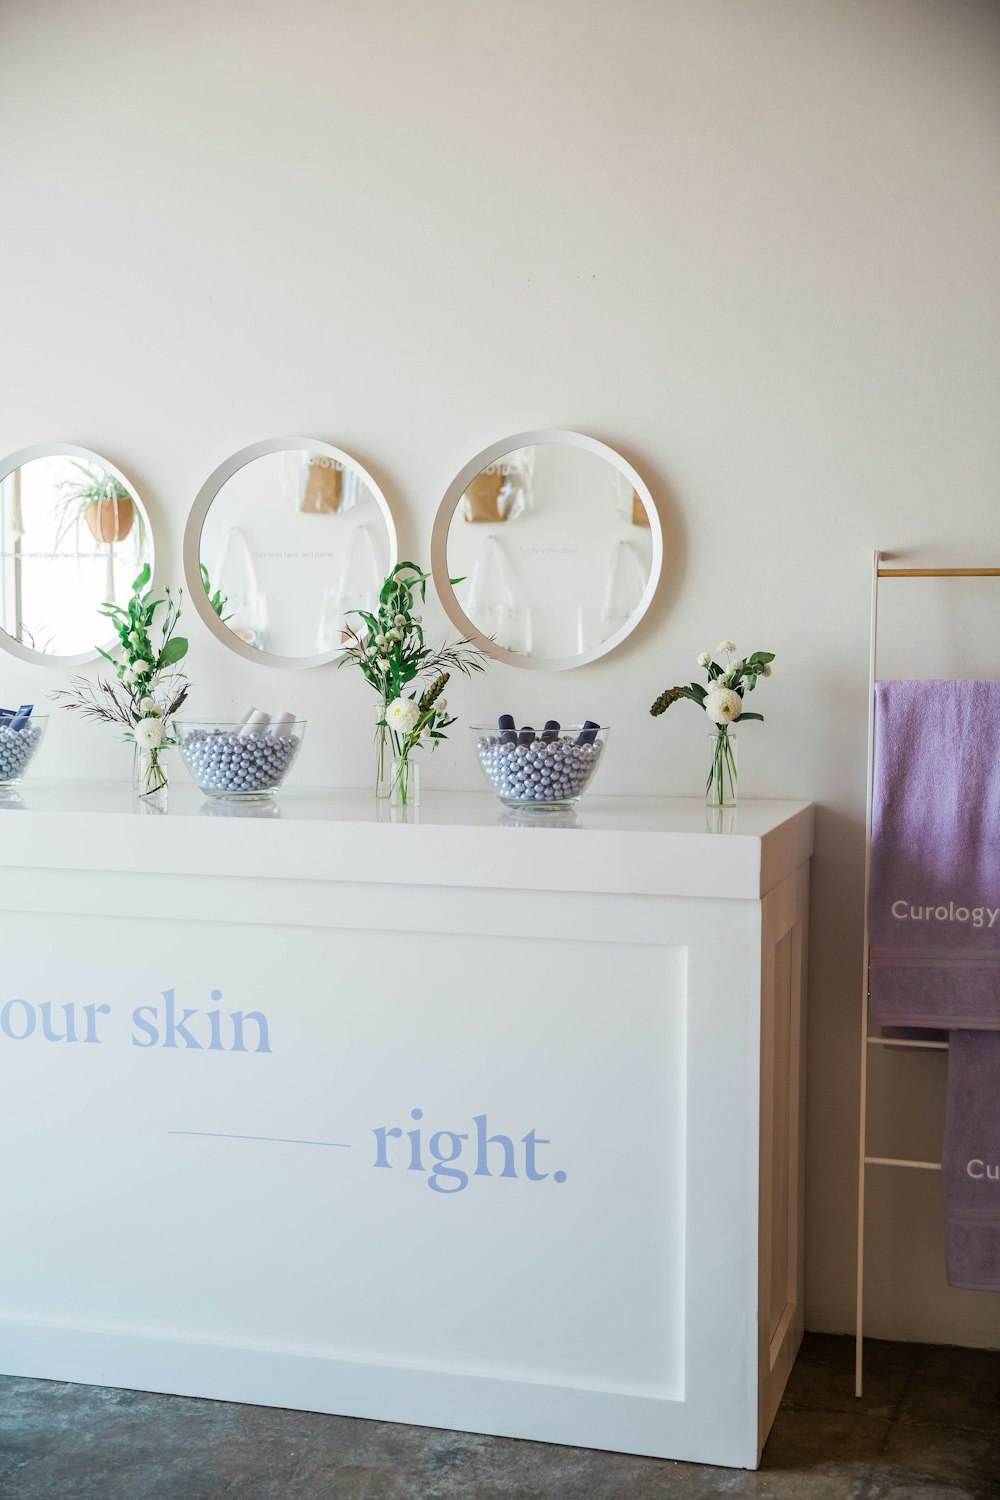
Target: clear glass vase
[404,783]
[720,783]
[149,775]
[383,754]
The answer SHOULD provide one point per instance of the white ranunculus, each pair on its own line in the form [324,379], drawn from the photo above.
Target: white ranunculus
[141,667]
[722,705]
[127,677]
[765,670]
[403,715]
[148,734]
[705,659]
[725,648]
[150,706]
[399,620]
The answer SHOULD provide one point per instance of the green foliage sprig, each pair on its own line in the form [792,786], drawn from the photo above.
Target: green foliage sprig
[393,655]
[147,690]
[729,680]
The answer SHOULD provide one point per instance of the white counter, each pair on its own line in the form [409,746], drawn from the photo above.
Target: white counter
[466,1121]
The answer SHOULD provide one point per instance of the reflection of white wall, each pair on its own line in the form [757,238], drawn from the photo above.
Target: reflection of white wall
[305,570]
[560,558]
[52,589]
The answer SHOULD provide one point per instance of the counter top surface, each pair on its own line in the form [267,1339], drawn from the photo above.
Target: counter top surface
[637,845]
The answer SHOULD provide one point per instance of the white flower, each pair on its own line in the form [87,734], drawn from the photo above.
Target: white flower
[403,715]
[737,666]
[399,635]
[150,706]
[705,659]
[417,619]
[441,705]
[142,667]
[399,620]
[765,670]
[135,637]
[127,677]
[725,648]
[382,664]
[148,734]
[722,705]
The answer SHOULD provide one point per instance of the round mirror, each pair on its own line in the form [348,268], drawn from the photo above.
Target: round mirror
[75,535]
[285,541]
[555,547]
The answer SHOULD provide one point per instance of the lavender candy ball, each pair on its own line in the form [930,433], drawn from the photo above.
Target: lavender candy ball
[17,746]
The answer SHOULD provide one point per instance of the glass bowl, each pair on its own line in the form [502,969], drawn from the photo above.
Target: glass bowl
[18,748]
[228,760]
[546,775]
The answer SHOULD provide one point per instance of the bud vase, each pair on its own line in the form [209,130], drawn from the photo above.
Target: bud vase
[404,783]
[720,784]
[149,775]
[383,754]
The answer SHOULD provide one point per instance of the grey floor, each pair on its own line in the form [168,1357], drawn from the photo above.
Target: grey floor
[927,1429]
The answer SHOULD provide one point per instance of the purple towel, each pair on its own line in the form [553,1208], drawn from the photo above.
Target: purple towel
[934,928]
[934,892]
[971,1164]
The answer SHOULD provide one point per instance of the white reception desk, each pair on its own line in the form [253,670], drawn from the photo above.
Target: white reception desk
[463,1122]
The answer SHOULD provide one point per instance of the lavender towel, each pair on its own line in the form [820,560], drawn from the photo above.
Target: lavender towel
[934,929]
[971,1163]
[934,890]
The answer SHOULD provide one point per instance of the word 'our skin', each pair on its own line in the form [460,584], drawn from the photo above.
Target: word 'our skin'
[183,1028]
[446,1148]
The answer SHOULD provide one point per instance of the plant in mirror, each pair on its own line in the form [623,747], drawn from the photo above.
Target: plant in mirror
[409,678]
[547,549]
[74,533]
[286,541]
[148,687]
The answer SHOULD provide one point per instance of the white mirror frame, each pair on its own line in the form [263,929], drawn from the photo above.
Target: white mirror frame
[69,450]
[196,521]
[442,525]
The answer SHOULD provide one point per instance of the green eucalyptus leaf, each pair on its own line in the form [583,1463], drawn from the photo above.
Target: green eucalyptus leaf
[173,651]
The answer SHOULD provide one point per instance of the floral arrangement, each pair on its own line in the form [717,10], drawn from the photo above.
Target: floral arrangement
[730,678]
[393,657]
[147,690]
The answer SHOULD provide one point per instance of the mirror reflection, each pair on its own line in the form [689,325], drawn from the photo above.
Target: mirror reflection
[554,549]
[74,537]
[292,543]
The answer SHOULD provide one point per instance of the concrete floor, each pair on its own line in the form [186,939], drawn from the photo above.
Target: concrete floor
[927,1429]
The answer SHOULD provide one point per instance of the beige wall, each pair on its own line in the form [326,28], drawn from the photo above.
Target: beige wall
[752,244]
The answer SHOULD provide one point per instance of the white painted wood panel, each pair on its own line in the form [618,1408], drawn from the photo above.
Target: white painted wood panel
[409,1148]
